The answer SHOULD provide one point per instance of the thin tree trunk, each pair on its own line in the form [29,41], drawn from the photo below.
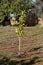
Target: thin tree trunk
[12,44]
[19,44]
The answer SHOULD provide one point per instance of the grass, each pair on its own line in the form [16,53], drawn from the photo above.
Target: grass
[8,32]
[5,54]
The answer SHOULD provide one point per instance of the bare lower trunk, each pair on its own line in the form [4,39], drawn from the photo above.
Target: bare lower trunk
[19,45]
[12,45]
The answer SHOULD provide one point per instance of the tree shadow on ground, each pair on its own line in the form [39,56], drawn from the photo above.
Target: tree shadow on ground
[7,61]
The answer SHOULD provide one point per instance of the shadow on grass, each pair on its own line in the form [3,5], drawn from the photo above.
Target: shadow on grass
[7,61]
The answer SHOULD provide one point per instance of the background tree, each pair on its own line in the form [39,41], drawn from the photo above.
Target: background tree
[16,6]
[39,7]
[4,4]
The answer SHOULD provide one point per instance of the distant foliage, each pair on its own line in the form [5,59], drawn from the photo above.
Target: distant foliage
[16,6]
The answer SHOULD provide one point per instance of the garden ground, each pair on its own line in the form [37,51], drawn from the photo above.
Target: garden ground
[31,44]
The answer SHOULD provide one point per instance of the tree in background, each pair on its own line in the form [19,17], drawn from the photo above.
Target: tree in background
[15,6]
[3,9]
[39,7]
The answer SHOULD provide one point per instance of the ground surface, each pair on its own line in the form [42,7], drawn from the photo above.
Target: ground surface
[31,44]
